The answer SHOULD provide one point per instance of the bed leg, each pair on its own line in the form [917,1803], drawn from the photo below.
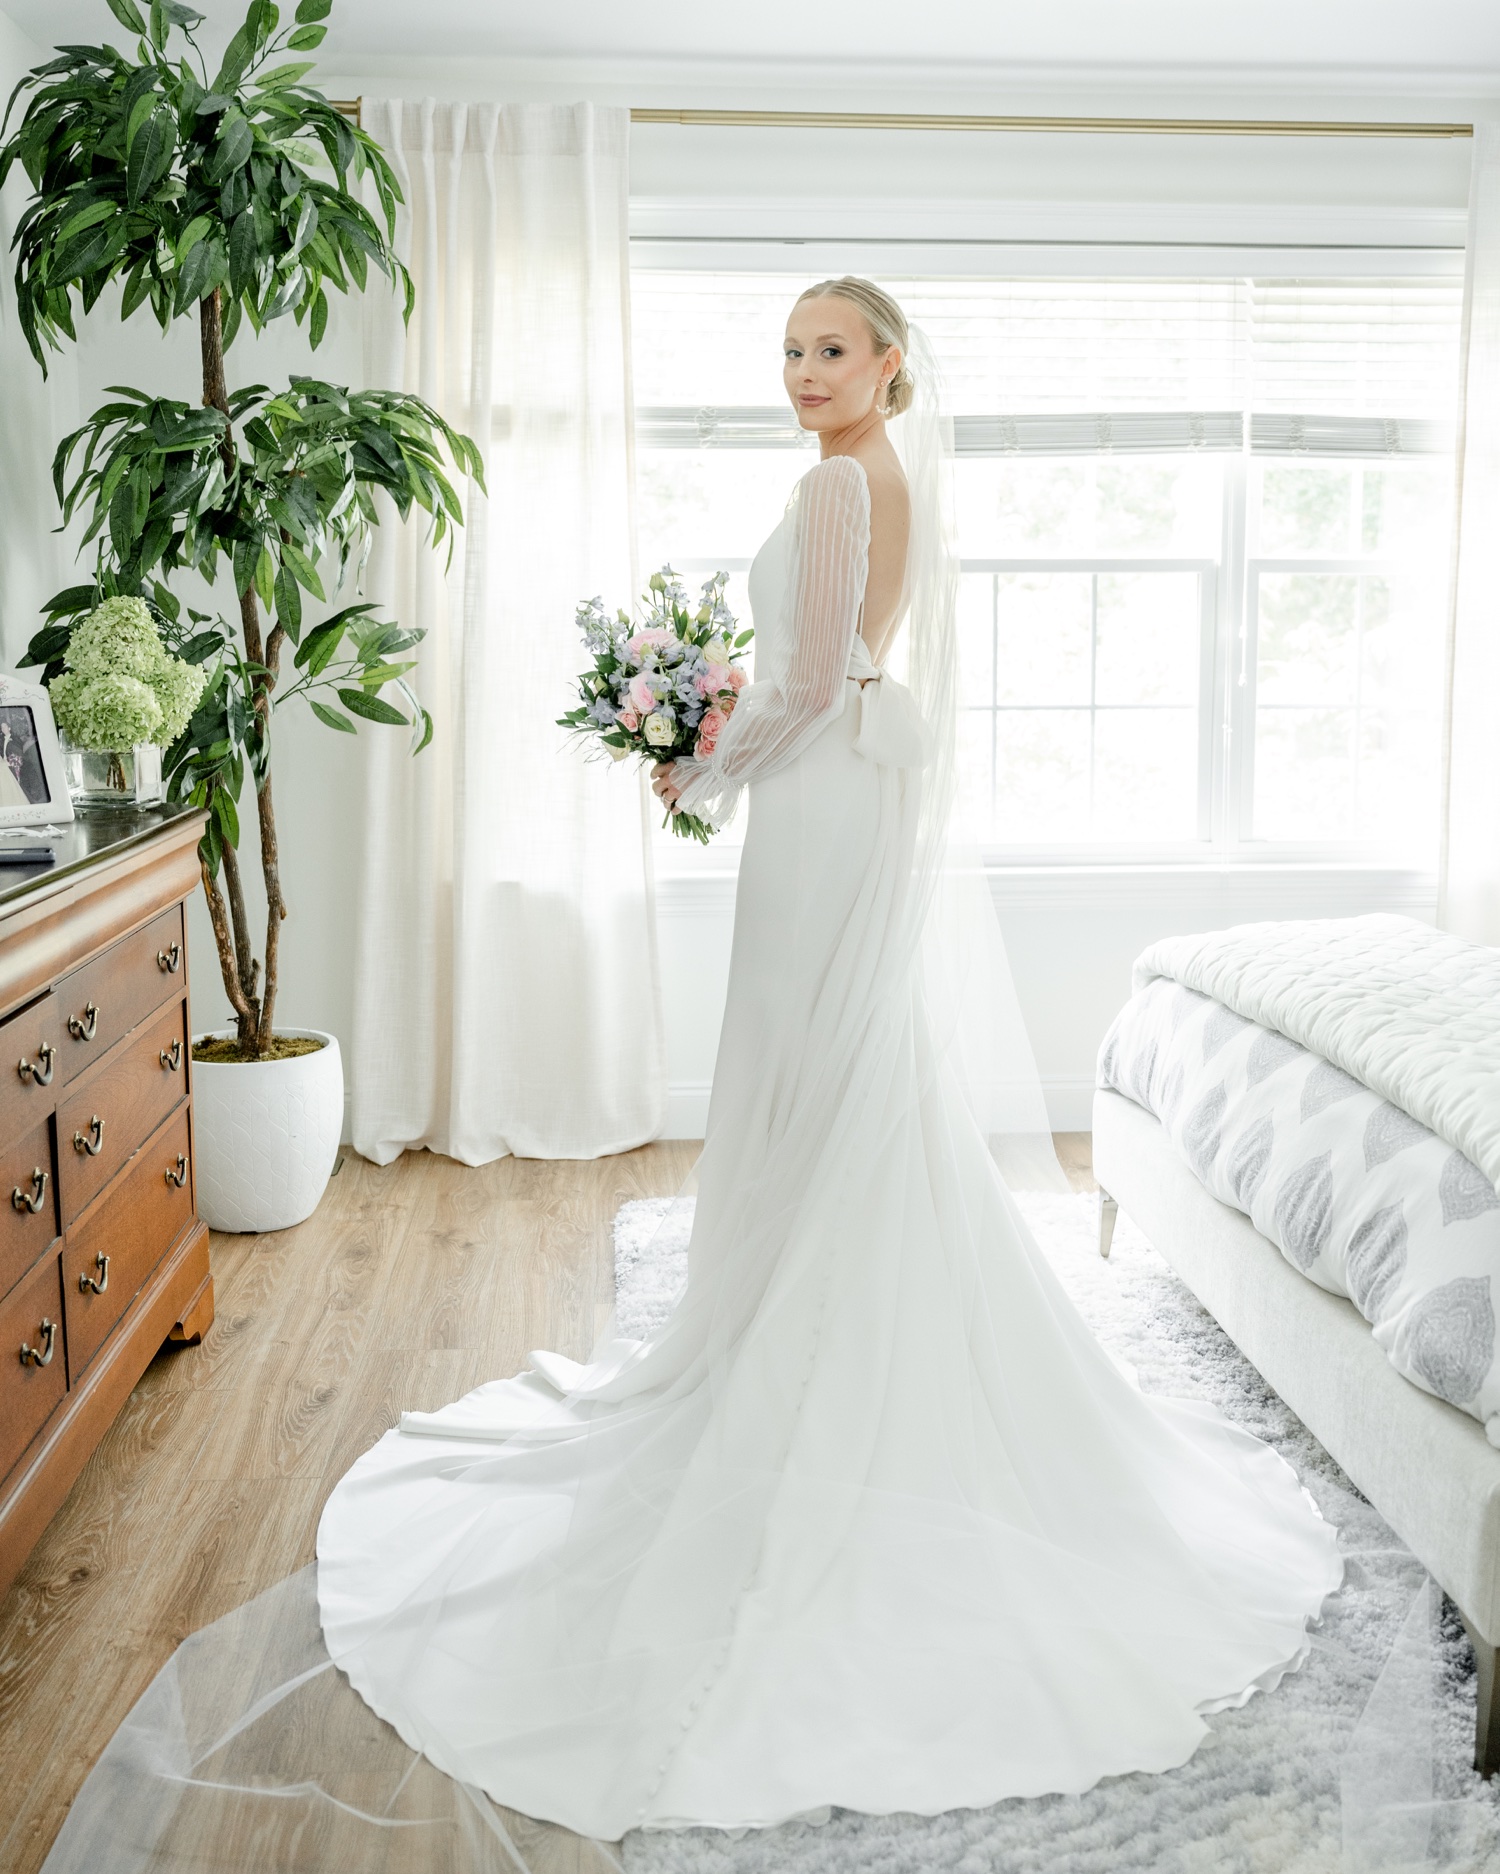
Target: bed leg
[1487,1717]
[1108,1211]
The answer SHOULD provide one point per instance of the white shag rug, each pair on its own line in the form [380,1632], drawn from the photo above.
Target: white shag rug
[1358,1764]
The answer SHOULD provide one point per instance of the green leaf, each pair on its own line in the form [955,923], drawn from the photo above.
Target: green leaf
[227,815]
[372,676]
[158,25]
[310,10]
[426,732]
[192,234]
[128,16]
[317,325]
[234,143]
[280,76]
[306,38]
[306,573]
[288,601]
[372,708]
[332,718]
[150,155]
[86,218]
[265,577]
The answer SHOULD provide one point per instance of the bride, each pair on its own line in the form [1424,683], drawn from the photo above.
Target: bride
[873,1521]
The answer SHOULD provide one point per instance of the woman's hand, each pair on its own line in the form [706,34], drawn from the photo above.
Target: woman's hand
[663,786]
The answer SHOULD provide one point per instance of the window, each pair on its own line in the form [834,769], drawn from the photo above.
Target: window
[1203,532]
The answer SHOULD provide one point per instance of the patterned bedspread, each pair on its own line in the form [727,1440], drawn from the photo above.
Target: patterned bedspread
[1362,1198]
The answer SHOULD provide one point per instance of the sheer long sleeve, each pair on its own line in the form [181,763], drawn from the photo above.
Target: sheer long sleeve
[777,716]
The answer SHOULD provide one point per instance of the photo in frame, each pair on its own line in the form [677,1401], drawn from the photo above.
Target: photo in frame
[33,787]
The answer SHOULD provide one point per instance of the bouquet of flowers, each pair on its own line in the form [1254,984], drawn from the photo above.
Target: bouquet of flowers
[665,686]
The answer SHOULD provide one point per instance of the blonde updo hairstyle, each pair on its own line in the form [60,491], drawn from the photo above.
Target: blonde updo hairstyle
[887,324]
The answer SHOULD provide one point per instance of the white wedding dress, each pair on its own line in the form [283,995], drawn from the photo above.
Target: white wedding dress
[873,1521]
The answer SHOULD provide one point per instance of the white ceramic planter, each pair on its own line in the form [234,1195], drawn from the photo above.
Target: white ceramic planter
[266,1135]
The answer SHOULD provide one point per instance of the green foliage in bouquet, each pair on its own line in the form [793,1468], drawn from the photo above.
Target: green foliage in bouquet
[234,197]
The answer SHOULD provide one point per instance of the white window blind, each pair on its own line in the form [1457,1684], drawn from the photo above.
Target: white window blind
[1076,367]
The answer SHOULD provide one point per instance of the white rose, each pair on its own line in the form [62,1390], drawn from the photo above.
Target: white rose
[619,754]
[660,729]
[716,651]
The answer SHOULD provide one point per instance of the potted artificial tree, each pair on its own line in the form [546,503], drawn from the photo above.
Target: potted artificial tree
[230,197]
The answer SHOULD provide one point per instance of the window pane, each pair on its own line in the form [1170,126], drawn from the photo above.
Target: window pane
[1404,509]
[1393,510]
[710,504]
[1041,776]
[1043,638]
[1347,710]
[1082,507]
[1145,774]
[1149,634]
[1308,644]
[976,638]
[1307,508]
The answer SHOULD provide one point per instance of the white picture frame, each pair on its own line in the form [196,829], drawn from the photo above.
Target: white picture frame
[33,784]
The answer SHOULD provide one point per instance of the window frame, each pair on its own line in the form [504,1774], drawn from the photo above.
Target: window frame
[1228,585]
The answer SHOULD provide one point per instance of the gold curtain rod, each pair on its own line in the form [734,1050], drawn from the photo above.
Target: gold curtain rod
[1133,126]
[1124,126]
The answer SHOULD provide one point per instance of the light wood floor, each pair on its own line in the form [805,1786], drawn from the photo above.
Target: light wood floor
[412,1283]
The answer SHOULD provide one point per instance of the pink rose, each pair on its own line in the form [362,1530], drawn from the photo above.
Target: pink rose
[652,638]
[629,720]
[712,724]
[642,696]
[704,746]
[715,678]
[737,677]
[726,706]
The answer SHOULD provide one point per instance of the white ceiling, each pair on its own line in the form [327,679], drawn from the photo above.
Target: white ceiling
[1351,40]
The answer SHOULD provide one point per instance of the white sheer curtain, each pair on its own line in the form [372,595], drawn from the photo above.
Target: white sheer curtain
[1469,899]
[507,991]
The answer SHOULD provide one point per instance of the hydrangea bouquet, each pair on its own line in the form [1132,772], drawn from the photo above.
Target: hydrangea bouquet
[665,686]
[122,686]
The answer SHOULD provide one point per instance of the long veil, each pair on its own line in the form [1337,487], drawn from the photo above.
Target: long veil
[253,1751]
[979,1032]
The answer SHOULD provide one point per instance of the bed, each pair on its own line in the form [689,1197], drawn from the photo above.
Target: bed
[1305,1121]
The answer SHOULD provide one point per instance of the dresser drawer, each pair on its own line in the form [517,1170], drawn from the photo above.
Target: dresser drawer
[124,1240]
[108,997]
[26,1179]
[30,1065]
[106,1116]
[30,1316]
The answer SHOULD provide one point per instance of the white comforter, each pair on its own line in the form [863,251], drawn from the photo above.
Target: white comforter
[1411,1012]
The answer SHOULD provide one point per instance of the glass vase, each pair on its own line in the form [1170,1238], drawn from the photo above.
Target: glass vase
[114,777]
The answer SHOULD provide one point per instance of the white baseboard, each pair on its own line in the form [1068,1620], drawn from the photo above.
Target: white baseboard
[687,1109]
[1070,1105]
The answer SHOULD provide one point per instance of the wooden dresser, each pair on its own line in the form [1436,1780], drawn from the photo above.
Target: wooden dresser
[102,1256]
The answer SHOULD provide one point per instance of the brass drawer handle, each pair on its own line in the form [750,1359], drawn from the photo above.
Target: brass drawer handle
[84,1027]
[170,960]
[39,1191]
[171,1058]
[32,1356]
[98,1283]
[179,1176]
[46,1057]
[93,1141]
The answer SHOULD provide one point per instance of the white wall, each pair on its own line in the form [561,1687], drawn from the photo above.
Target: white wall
[1072,934]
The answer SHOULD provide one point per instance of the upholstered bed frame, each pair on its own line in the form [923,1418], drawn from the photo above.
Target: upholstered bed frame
[1427,1467]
